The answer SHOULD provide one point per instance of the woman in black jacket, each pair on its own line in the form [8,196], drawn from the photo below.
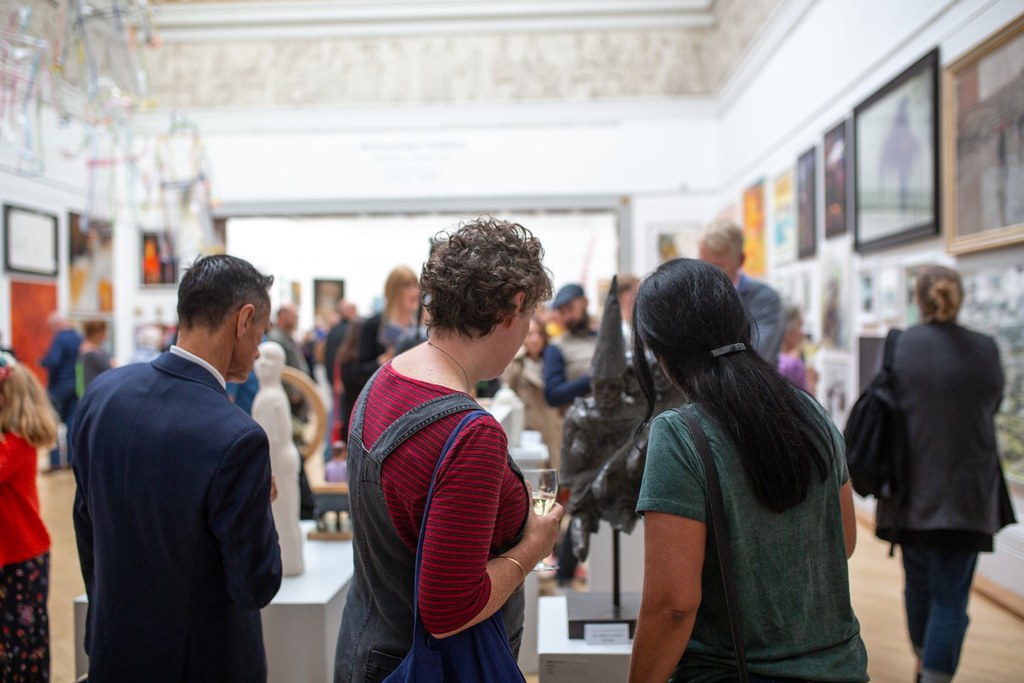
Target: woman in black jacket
[949,384]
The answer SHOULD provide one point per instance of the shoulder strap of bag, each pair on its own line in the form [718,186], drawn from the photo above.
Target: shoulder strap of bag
[889,356]
[426,508]
[716,518]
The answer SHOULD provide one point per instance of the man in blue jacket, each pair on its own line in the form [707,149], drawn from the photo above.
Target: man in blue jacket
[59,361]
[172,515]
[722,246]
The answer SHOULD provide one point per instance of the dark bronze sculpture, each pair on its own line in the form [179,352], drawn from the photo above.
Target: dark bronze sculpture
[602,459]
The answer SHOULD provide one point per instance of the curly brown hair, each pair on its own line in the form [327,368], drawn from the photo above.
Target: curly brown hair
[470,283]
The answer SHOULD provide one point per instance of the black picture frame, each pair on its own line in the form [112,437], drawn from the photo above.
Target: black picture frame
[24,252]
[896,157]
[807,203]
[835,162]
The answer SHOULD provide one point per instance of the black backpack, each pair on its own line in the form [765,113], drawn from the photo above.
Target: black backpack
[875,434]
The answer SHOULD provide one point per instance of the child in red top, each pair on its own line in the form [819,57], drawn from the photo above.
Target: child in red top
[27,423]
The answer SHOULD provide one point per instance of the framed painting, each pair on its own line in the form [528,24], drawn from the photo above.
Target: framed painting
[806,204]
[158,259]
[837,180]
[30,241]
[31,305]
[983,141]
[326,295]
[90,266]
[784,238]
[755,262]
[993,299]
[896,159]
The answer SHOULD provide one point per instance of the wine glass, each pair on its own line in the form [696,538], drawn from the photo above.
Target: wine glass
[543,490]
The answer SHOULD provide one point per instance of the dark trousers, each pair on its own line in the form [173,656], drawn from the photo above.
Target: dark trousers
[938,585]
[65,402]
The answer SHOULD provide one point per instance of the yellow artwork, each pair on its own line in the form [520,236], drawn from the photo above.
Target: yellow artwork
[755,262]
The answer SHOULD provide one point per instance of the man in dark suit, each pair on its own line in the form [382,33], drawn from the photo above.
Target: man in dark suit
[172,514]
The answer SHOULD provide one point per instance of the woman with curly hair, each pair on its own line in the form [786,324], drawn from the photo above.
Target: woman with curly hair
[480,287]
[27,423]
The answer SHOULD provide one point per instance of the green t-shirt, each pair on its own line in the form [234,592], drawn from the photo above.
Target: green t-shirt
[790,568]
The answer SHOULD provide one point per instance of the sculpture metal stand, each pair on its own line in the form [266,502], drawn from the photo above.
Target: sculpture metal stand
[603,462]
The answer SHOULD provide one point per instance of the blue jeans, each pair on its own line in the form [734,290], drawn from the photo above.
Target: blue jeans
[65,402]
[938,584]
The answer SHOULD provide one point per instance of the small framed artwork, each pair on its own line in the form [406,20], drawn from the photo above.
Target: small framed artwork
[159,259]
[30,241]
[867,306]
[90,266]
[784,236]
[837,180]
[983,141]
[326,295]
[806,205]
[755,261]
[896,159]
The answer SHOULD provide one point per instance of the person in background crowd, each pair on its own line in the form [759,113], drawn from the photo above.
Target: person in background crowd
[788,503]
[172,517]
[336,469]
[567,358]
[957,498]
[722,246]
[60,362]
[480,287]
[350,372]
[283,333]
[525,376]
[791,362]
[27,423]
[92,357]
[382,331]
[346,313]
[567,377]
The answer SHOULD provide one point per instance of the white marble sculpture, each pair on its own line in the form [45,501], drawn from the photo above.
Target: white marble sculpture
[271,410]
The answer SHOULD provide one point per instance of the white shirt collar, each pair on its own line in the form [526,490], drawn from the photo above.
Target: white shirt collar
[182,353]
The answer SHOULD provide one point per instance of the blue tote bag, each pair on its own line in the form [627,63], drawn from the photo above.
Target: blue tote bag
[479,654]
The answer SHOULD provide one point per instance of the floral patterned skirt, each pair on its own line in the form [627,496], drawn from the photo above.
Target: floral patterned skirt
[24,626]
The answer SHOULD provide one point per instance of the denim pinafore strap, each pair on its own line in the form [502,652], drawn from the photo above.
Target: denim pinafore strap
[377,623]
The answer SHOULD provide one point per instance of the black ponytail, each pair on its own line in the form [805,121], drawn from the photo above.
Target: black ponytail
[683,310]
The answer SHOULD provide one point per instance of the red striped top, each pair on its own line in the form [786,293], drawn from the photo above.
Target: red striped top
[479,503]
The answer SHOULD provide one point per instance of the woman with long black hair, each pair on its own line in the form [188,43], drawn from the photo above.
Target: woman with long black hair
[786,494]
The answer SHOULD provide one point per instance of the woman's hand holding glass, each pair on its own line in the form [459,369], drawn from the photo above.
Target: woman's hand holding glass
[543,485]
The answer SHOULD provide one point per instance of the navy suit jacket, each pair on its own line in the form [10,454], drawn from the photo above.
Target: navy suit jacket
[175,534]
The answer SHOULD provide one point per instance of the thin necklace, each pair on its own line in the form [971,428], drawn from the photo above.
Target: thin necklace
[468,385]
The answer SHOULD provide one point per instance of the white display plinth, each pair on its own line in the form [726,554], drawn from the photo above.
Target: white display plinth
[631,559]
[573,661]
[300,625]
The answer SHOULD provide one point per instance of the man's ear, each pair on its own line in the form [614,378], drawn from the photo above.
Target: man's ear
[245,318]
[743,257]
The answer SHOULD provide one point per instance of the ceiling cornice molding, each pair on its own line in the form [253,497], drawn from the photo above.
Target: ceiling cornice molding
[240,21]
[778,28]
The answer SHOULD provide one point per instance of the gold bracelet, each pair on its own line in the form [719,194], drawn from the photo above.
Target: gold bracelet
[517,562]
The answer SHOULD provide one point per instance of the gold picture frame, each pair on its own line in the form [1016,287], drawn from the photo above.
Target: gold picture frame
[983,171]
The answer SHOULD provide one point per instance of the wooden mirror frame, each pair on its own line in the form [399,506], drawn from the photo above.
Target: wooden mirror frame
[316,425]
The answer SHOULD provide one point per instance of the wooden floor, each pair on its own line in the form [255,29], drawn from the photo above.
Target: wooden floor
[993,651]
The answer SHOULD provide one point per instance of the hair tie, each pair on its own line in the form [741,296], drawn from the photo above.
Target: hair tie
[727,349]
